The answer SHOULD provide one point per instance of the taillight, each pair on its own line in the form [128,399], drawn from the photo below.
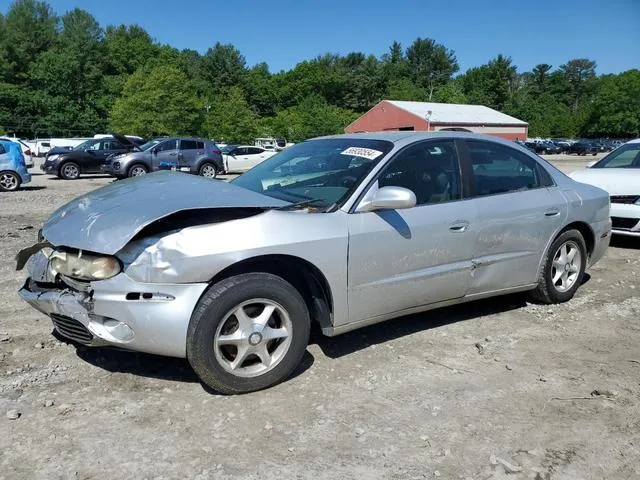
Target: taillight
[215,152]
[27,152]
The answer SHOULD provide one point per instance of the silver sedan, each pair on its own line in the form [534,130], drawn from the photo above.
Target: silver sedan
[343,231]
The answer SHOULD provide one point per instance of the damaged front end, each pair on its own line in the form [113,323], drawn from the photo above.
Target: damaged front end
[118,311]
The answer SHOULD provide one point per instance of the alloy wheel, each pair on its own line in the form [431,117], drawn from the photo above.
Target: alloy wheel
[566,266]
[69,170]
[9,181]
[208,171]
[137,170]
[253,338]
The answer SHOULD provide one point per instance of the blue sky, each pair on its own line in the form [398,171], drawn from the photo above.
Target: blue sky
[284,32]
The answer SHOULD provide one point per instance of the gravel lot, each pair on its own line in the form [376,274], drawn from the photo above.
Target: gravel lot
[493,389]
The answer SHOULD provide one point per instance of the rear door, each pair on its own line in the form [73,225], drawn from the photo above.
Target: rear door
[519,210]
[187,155]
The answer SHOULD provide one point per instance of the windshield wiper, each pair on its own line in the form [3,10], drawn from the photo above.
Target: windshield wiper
[303,203]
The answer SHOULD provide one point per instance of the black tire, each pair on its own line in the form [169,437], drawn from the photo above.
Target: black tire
[547,292]
[69,171]
[208,170]
[9,181]
[214,307]
[135,169]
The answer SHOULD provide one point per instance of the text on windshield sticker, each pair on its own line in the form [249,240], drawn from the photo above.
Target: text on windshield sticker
[368,153]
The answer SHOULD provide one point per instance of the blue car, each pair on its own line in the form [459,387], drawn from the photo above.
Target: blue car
[13,170]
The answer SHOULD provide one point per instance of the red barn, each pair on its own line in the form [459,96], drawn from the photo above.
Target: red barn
[391,115]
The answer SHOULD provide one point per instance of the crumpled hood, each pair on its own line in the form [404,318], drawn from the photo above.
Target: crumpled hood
[616,181]
[106,219]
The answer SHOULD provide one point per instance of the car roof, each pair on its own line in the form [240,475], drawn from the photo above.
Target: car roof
[635,140]
[409,137]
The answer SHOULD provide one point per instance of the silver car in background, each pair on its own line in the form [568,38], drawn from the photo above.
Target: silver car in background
[343,231]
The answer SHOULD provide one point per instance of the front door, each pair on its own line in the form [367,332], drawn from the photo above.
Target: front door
[165,152]
[519,209]
[399,259]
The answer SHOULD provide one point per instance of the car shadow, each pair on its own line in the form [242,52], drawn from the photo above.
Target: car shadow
[115,360]
[32,188]
[621,241]
[348,343]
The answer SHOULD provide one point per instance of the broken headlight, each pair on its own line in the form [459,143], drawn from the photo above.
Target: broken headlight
[84,266]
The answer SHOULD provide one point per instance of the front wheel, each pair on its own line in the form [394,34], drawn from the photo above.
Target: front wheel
[9,181]
[137,170]
[70,171]
[563,268]
[247,333]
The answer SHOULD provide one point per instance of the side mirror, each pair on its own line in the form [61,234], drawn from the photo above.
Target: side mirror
[387,198]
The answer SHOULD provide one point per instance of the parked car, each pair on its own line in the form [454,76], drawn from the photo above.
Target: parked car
[13,170]
[543,148]
[241,158]
[619,174]
[86,158]
[344,231]
[57,150]
[26,150]
[42,147]
[583,148]
[193,155]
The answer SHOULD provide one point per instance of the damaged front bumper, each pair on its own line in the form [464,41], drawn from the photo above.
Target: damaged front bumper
[120,312]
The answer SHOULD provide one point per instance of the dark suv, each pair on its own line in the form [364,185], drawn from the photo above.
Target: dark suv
[193,155]
[88,157]
[583,148]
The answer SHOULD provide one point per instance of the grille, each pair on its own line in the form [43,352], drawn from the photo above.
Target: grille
[71,328]
[625,198]
[624,223]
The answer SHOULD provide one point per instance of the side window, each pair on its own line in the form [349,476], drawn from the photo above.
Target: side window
[168,145]
[95,146]
[200,145]
[188,145]
[501,169]
[429,169]
[2,150]
[112,145]
[255,151]
[240,151]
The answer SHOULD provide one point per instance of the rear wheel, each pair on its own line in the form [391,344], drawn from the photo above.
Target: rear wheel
[563,268]
[208,170]
[247,333]
[9,181]
[69,171]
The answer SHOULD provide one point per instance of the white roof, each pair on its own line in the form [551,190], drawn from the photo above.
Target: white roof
[457,114]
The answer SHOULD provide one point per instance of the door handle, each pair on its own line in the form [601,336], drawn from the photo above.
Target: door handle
[554,212]
[459,227]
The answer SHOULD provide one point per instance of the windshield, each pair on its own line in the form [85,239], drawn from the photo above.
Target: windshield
[626,156]
[326,170]
[149,144]
[84,145]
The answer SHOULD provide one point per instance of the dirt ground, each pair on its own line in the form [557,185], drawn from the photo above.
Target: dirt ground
[494,389]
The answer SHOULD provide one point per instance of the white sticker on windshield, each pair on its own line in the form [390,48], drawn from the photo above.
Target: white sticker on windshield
[367,153]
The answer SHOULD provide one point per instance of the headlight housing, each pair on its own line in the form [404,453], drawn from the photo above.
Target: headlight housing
[53,157]
[84,266]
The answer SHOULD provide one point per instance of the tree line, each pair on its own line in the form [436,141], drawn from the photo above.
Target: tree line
[68,76]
